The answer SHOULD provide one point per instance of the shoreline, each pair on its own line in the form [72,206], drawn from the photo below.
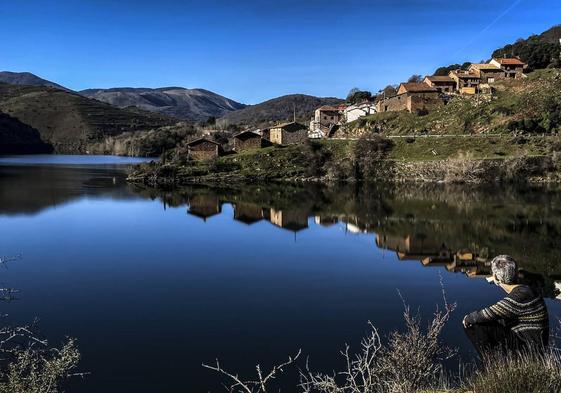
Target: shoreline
[533,170]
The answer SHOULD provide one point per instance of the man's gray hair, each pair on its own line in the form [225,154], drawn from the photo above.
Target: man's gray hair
[505,269]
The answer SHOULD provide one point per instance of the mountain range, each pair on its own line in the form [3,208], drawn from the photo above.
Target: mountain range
[178,102]
[187,104]
[67,121]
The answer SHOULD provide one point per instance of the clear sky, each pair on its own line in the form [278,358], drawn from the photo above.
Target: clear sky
[255,49]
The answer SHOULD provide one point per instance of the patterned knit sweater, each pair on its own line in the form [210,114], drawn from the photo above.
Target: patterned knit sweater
[522,311]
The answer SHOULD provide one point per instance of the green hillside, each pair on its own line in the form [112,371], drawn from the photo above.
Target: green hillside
[70,122]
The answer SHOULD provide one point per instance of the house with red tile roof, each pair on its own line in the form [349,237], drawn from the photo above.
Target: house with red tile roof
[513,67]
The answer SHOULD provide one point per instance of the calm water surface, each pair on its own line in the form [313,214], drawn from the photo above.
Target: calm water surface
[152,284]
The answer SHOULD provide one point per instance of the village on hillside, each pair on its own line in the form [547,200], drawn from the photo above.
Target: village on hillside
[419,97]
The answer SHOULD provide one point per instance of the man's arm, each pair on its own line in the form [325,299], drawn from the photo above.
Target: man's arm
[503,309]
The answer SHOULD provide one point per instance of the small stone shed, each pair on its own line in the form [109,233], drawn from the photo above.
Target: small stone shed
[247,140]
[289,133]
[204,149]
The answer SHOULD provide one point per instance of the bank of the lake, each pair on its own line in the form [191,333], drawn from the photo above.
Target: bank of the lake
[438,159]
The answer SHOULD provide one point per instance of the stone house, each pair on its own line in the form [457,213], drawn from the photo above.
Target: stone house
[412,97]
[325,119]
[247,140]
[466,82]
[204,149]
[487,73]
[512,67]
[327,115]
[444,84]
[289,133]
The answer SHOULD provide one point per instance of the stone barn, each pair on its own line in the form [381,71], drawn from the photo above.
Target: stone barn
[412,97]
[204,149]
[289,133]
[247,140]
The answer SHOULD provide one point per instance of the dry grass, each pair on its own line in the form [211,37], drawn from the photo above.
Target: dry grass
[524,373]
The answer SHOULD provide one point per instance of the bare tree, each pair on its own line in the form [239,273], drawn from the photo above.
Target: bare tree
[259,385]
[406,362]
[409,361]
[27,363]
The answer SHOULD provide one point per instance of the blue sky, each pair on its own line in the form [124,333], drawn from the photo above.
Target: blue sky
[255,50]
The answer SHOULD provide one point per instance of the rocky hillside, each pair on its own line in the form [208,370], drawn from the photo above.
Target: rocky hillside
[28,79]
[279,109]
[189,104]
[19,138]
[530,106]
[70,122]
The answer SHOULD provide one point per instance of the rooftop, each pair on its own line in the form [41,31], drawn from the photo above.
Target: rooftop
[439,78]
[465,75]
[247,134]
[290,127]
[486,66]
[416,87]
[201,140]
[328,108]
[510,61]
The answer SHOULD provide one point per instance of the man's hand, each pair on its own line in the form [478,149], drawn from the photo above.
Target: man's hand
[465,322]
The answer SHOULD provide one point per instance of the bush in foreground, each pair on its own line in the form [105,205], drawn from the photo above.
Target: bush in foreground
[29,365]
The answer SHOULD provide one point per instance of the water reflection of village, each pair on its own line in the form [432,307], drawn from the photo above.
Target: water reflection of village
[408,244]
[206,206]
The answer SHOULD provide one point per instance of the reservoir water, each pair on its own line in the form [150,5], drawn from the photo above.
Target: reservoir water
[153,283]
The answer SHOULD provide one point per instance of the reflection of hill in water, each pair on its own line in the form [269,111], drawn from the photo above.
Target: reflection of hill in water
[30,189]
[456,228]
[459,229]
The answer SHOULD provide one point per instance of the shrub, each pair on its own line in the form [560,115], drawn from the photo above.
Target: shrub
[29,365]
[368,156]
[465,169]
[528,373]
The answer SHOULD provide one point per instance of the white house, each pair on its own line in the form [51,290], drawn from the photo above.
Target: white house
[354,112]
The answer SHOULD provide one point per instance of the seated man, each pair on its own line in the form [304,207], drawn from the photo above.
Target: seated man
[519,321]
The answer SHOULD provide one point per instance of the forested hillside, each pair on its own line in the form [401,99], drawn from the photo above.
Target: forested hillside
[279,109]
